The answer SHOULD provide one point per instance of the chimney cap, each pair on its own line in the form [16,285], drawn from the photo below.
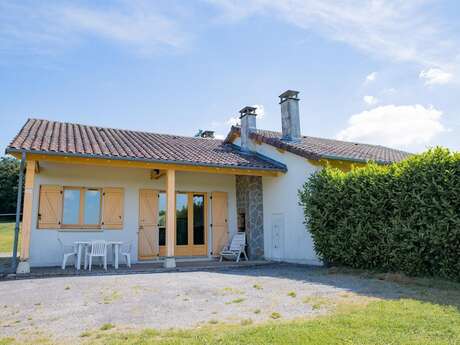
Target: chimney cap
[205,134]
[289,94]
[248,111]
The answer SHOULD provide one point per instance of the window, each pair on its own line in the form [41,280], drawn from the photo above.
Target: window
[81,207]
[181,219]
[162,218]
[198,219]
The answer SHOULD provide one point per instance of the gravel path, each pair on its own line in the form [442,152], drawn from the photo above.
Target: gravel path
[66,307]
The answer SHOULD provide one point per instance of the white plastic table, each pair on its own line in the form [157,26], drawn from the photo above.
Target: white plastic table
[115,250]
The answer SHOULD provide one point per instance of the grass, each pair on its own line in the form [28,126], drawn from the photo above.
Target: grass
[107,326]
[292,294]
[275,315]
[110,297]
[231,291]
[319,302]
[404,321]
[236,300]
[7,238]
[429,314]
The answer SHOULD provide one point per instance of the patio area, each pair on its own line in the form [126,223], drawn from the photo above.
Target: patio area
[182,265]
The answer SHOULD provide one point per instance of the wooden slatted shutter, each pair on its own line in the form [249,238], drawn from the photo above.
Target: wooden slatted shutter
[112,208]
[219,209]
[148,245]
[50,207]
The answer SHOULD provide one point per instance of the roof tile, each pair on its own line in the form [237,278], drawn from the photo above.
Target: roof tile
[317,148]
[74,139]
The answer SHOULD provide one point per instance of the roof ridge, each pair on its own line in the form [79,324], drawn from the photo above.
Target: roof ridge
[338,140]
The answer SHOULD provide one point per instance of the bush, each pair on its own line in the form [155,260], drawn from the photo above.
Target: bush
[9,175]
[404,217]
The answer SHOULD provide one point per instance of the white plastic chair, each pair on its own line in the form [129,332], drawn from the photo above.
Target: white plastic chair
[236,248]
[98,249]
[68,251]
[125,251]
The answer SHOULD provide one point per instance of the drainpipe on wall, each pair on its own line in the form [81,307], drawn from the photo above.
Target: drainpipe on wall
[248,125]
[14,263]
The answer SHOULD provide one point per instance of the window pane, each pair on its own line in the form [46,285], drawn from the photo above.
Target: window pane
[92,211]
[162,219]
[181,219]
[162,236]
[198,219]
[162,210]
[71,213]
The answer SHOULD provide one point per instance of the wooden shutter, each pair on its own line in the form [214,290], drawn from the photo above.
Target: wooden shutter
[148,245]
[219,209]
[50,207]
[112,208]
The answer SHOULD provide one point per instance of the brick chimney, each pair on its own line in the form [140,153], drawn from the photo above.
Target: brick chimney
[248,125]
[290,120]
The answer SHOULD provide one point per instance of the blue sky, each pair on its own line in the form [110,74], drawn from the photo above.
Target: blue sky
[383,72]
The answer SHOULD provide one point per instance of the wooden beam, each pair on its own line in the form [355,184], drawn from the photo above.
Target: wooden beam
[170,212]
[146,165]
[27,210]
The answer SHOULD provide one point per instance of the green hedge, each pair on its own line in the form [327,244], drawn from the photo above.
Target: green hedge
[404,217]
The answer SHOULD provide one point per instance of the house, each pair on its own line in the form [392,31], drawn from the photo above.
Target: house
[172,196]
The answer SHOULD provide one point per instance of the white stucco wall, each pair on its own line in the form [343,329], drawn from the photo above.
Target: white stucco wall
[45,249]
[280,199]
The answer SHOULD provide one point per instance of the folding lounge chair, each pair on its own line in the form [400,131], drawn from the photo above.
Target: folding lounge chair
[235,248]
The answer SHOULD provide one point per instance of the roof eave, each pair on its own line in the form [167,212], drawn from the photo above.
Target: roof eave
[11,150]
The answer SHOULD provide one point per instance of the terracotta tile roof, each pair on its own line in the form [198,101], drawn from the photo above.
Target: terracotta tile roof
[317,148]
[52,137]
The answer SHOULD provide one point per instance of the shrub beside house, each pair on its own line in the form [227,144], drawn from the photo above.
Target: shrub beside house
[403,217]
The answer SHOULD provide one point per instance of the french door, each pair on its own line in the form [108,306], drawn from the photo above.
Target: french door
[191,224]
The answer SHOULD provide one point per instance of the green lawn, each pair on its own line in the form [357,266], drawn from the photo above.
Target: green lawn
[429,313]
[381,322]
[6,237]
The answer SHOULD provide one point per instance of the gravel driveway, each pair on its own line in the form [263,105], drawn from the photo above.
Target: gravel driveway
[66,307]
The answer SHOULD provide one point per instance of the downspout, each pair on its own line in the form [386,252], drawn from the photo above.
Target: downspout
[18,212]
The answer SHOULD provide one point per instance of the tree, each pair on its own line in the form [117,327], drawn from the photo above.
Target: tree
[9,175]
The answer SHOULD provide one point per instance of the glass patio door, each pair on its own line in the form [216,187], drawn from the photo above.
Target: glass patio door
[191,224]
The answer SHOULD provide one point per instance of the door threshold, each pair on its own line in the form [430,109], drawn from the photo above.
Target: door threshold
[179,259]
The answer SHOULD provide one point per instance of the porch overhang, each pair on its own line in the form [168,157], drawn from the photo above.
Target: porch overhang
[126,162]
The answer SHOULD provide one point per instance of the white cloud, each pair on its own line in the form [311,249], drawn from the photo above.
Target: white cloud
[389,91]
[370,100]
[401,30]
[233,121]
[260,111]
[371,77]
[401,126]
[42,28]
[434,76]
